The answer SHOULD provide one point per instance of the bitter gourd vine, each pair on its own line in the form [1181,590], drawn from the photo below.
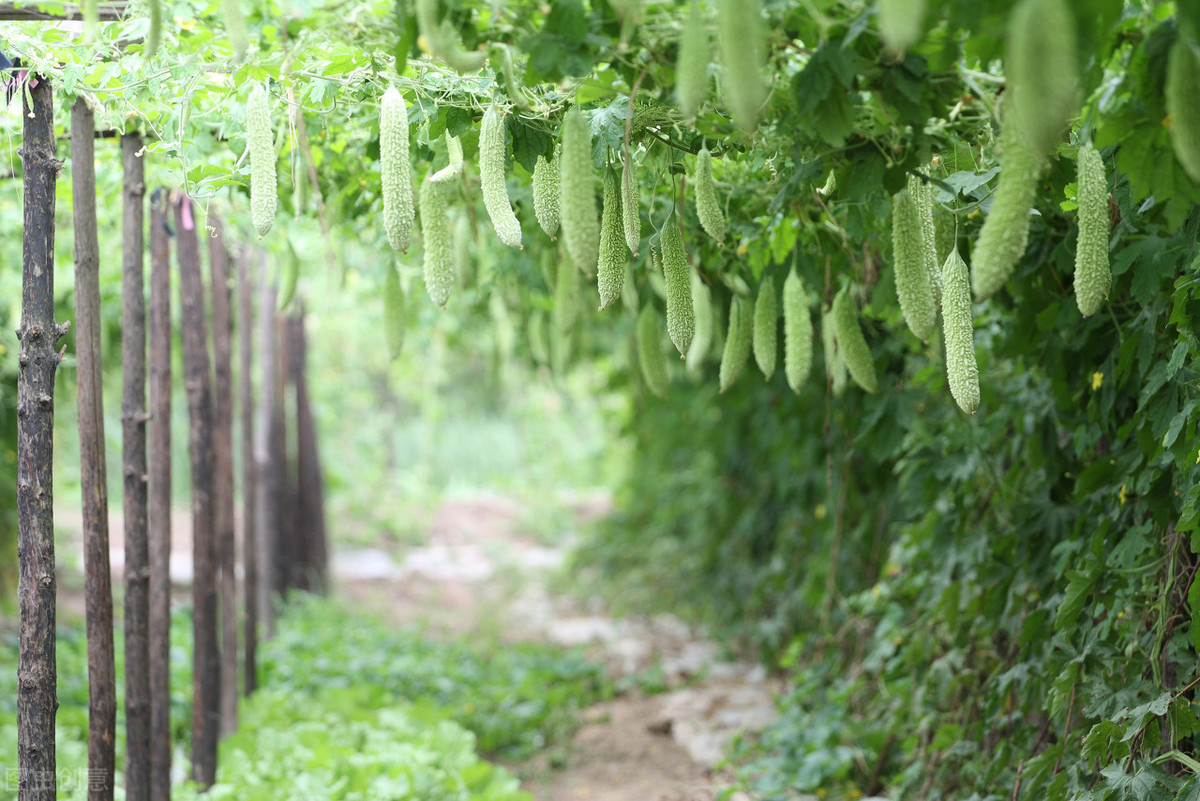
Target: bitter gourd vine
[1093,276]
[492,179]
[395,171]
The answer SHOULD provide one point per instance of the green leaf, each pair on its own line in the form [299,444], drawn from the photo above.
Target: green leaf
[1079,587]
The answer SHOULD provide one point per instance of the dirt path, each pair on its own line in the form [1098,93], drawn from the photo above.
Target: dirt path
[482,571]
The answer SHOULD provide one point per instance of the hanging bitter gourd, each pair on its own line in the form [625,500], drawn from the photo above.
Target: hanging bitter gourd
[737,342]
[261,143]
[914,286]
[650,352]
[691,66]
[610,269]
[1041,71]
[962,372]
[439,244]
[454,157]
[395,171]
[835,365]
[797,332]
[630,192]
[712,219]
[742,35]
[1093,276]
[492,179]
[900,23]
[677,275]
[852,345]
[235,27]
[1005,232]
[545,194]
[1183,103]
[766,328]
[393,312]
[577,193]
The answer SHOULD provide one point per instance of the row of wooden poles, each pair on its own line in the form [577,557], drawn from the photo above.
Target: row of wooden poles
[283,529]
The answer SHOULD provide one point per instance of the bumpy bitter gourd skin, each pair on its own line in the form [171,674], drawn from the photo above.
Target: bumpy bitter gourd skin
[492,179]
[742,35]
[962,373]
[1183,103]
[1041,71]
[393,312]
[900,23]
[852,345]
[577,194]
[737,342]
[914,287]
[766,328]
[1005,232]
[923,193]
[835,365]
[610,270]
[650,353]
[631,222]
[395,171]
[691,67]
[1093,276]
[712,219]
[677,274]
[797,332]
[545,194]
[439,243]
[263,189]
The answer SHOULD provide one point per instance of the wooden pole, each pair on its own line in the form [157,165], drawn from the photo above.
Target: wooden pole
[102,681]
[249,480]
[159,517]
[222,432]
[37,699]
[266,471]
[133,419]
[206,659]
[285,488]
[311,501]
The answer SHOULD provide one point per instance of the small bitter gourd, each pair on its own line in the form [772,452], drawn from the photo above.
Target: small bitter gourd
[263,189]
[650,352]
[914,286]
[395,171]
[737,342]
[852,345]
[712,219]
[492,179]
[691,65]
[577,194]
[610,269]
[962,372]
[677,275]
[1093,276]
[439,244]
[545,194]
[797,332]
[766,328]
[632,222]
